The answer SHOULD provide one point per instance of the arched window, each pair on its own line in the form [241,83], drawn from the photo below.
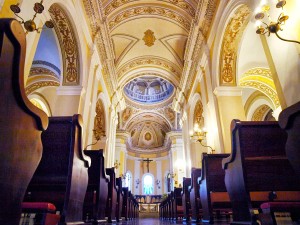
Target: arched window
[148,184]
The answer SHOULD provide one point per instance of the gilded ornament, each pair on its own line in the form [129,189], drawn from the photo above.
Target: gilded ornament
[68,45]
[149,62]
[260,113]
[231,39]
[138,11]
[31,88]
[149,38]
[99,122]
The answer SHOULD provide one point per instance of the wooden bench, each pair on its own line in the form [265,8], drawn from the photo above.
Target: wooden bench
[125,203]
[257,163]
[111,202]
[289,120]
[119,199]
[62,175]
[186,204]
[177,209]
[213,192]
[97,190]
[21,124]
[194,195]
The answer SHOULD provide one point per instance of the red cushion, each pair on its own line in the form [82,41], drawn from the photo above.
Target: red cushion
[38,206]
[283,205]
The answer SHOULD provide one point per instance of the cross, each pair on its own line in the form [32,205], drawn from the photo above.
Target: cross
[148,162]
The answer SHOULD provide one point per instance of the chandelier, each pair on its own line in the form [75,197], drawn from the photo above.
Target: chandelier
[269,26]
[30,25]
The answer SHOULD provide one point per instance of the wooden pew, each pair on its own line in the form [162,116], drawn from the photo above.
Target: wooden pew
[125,203]
[97,190]
[289,120]
[194,195]
[21,124]
[213,192]
[111,202]
[119,199]
[186,204]
[177,209]
[257,163]
[61,177]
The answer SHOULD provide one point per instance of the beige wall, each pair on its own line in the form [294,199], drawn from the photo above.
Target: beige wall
[230,107]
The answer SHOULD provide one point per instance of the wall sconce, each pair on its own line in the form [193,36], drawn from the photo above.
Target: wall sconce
[137,182]
[199,135]
[157,183]
[30,25]
[117,164]
[271,26]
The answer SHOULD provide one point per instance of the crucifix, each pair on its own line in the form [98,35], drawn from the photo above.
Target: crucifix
[148,162]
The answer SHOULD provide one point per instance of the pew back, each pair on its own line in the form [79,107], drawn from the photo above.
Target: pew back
[111,202]
[186,199]
[212,181]
[257,163]
[119,199]
[194,194]
[21,124]
[61,177]
[97,190]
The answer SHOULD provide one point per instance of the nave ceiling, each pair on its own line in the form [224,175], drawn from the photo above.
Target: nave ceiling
[140,41]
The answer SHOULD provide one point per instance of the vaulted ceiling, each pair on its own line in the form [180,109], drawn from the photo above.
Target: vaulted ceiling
[149,38]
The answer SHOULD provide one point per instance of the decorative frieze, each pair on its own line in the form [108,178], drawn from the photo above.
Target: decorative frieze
[232,36]
[68,45]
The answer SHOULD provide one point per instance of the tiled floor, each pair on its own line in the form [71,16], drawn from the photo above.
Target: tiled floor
[156,221]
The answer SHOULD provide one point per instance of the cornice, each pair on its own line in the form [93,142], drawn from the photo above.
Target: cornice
[149,10]
[117,4]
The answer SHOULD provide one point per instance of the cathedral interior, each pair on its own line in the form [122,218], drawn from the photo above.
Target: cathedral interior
[158,82]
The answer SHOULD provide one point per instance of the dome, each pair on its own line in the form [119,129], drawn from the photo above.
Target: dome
[148,90]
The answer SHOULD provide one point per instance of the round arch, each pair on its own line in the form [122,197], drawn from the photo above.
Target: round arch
[231,10]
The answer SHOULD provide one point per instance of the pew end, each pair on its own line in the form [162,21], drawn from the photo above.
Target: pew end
[213,194]
[257,166]
[21,124]
[62,175]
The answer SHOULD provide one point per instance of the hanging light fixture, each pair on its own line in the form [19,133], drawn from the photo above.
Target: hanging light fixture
[272,27]
[30,25]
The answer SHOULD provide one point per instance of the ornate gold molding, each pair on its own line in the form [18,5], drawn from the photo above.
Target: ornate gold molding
[149,11]
[265,72]
[260,113]
[198,114]
[32,87]
[149,61]
[68,45]
[232,36]
[34,71]
[99,122]
[149,38]
[268,91]
[261,79]
[182,4]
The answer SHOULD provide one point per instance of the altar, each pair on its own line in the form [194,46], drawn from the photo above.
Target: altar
[149,207]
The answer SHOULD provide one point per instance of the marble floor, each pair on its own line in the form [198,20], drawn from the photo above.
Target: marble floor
[157,221]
